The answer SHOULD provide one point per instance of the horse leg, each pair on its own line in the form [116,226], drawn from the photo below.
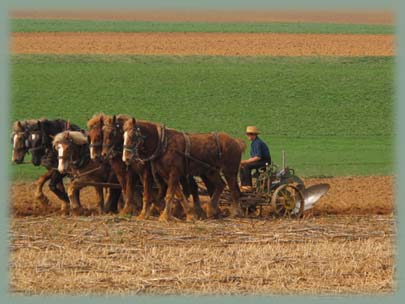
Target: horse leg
[56,186]
[100,199]
[217,186]
[39,194]
[113,195]
[112,200]
[147,182]
[191,212]
[121,174]
[159,198]
[74,198]
[129,191]
[236,209]
[172,185]
[196,204]
[210,187]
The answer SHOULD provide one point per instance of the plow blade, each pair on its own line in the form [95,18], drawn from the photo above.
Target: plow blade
[311,196]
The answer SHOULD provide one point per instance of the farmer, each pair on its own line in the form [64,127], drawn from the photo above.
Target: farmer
[259,156]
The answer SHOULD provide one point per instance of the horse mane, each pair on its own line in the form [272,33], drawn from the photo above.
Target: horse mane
[95,119]
[129,125]
[77,137]
[24,123]
[120,118]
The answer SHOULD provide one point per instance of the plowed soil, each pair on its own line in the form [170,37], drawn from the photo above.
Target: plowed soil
[337,16]
[349,252]
[231,44]
[347,195]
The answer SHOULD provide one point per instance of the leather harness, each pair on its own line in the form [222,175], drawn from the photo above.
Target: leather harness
[189,157]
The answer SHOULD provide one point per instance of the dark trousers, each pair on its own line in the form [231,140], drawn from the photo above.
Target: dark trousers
[246,171]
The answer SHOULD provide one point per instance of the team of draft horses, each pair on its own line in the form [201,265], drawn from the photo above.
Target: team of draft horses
[154,165]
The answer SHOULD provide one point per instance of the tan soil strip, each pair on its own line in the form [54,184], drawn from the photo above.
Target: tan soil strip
[356,195]
[234,44]
[347,195]
[339,16]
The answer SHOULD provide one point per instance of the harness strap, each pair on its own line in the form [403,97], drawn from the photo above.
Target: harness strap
[97,144]
[216,136]
[198,161]
[161,146]
[152,168]
[187,155]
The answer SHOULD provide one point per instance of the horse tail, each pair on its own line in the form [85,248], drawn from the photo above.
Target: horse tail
[242,144]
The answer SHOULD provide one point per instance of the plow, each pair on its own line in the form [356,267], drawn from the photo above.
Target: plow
[280,190]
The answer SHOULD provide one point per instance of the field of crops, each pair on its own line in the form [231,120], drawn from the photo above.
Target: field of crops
[294,101]
[332,114]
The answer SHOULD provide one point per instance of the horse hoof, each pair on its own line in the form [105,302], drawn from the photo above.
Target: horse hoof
[212,213]
[164,217]
[64,212]
[191,217]
[236,215]
[42,200]
[142,216]
[127,211]
[80,211]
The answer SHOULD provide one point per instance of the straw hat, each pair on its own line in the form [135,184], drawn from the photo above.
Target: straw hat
[252,129]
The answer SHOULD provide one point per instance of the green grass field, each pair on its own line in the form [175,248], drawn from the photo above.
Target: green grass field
[333,116]
[58,25]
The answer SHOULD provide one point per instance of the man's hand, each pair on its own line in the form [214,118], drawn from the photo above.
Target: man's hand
[250,160]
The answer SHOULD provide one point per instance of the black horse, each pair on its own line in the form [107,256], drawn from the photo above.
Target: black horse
[40,137]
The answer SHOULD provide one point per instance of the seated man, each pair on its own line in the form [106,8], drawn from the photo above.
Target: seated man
[259,156]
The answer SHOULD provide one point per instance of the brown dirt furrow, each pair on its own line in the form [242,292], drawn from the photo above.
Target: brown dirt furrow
[347,195]
[356,195]
[336,16]
[235,44]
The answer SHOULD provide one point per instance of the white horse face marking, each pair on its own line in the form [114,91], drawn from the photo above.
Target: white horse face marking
[61,161]
[34,136]
[92,153]
[15,138]
[124,154]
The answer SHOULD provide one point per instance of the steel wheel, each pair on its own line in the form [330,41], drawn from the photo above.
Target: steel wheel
[285,200]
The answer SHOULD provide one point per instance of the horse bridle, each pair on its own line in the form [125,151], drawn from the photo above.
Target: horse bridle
[76,164]
[138,140]
[96,144]
[112,150]
[42,146]
[25,135]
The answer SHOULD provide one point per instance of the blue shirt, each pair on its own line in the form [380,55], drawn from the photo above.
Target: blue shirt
[260,149]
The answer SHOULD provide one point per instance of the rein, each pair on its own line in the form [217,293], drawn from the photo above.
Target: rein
[113,151]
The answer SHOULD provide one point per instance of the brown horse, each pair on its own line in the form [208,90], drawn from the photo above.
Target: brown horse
[129,174]
[74,158]
[174,154]
[19,140]
[95,133]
